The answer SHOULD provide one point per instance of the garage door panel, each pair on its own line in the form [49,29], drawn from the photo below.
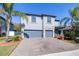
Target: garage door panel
[34,33]
[49,33]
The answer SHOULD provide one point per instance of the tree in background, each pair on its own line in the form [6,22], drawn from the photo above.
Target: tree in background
[17,27]
[74,13]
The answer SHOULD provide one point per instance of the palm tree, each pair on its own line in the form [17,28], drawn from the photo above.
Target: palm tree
[74,16]
[63,23]
[7,10]
[65,20]
[74,13]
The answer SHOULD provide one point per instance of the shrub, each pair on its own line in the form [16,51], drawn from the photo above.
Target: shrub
[76,40]
[77,36]
[70,34]
[16,38]
[3,34]
[67,34]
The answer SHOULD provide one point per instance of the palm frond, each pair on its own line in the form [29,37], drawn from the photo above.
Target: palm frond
[1,19]
[21,14]
[65,20]
[75,13]
[8,7]
[2,11]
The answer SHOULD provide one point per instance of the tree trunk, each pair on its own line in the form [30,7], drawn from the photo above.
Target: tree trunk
[8,27]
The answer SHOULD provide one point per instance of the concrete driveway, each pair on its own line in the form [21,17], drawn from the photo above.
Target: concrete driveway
[39,46]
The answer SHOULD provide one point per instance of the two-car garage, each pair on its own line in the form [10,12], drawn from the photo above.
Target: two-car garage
[37,33]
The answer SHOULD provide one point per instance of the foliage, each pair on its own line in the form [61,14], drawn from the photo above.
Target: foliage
[3,34]
[7,10]
[67,33]
[74,12]
[70,34]
[1,20]
[17,27]
[16,38]
[17,33]
[65,20]
[2,39]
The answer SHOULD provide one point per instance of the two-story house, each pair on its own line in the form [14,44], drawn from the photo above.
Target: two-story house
[39,25]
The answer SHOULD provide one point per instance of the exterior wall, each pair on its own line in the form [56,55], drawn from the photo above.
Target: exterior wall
[40,28]
[34,26]
[49,26]
[38,24]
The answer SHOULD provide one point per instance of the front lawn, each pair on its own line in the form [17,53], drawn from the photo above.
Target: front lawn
[2,39]
[7,49]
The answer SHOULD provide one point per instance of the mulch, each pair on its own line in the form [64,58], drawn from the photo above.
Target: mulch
[8,43]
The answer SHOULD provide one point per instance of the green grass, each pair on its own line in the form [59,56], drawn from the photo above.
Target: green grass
[2,39]
[7,50]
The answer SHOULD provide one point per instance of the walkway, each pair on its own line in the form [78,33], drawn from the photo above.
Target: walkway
[40,46]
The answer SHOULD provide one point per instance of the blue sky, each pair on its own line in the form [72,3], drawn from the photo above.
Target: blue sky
[58,9]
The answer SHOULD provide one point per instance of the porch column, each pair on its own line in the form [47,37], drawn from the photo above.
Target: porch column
[22,34]
[53,31]
[61,32]
[43,33]
[22,28]
[43,26]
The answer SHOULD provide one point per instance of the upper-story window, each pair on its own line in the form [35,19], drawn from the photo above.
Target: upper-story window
[34,19]
[48,19]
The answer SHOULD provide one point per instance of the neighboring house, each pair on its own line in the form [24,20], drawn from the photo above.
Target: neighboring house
[3,26]
[39,25]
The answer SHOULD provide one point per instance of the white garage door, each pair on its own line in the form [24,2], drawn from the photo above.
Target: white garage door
[33,33]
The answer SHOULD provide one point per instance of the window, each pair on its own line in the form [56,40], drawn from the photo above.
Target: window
[34,19]
[48,19]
